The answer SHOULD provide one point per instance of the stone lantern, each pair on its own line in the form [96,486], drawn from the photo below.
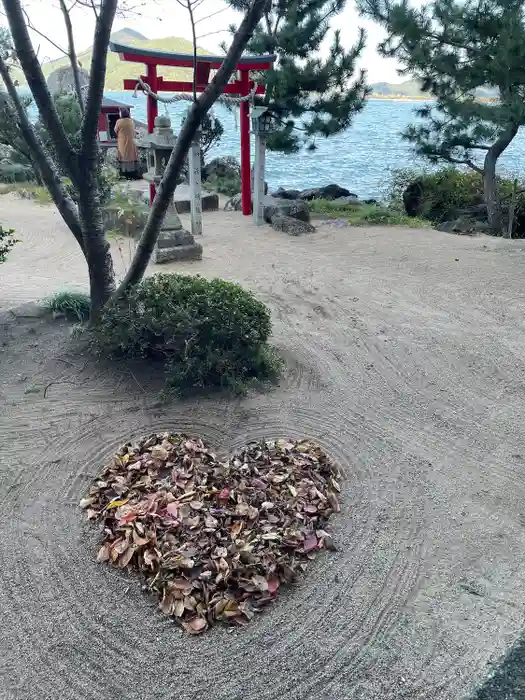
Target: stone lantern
[174,242]
[264,123]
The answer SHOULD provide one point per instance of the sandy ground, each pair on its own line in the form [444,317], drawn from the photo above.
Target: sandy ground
[405,360]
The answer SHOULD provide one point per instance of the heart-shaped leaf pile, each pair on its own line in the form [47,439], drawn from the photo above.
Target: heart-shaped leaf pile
[215,540]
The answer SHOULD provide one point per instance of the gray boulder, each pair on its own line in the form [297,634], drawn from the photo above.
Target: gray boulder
[327,192]
[234,203]
[463,226]
[349,200]
[62,80]
[291,226]
[294,208]
[209,202]
[281,193]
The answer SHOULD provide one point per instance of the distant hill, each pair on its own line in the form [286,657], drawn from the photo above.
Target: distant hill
[408,88]
[412,89]
[126,36]
[118,70]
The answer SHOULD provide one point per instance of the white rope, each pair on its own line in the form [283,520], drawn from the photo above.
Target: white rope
[180,97]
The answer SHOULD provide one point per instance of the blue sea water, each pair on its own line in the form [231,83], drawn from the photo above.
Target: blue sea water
[361,159]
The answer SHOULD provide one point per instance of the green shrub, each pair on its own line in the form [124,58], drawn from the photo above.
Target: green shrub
[27,190]
[223,175]
[228,185]
[207,333]
[7,241]
[443,194]
[124,214]
[437,195]
[15,172]
[74,305]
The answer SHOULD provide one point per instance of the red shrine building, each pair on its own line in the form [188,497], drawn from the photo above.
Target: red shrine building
[240,87]
[109,113]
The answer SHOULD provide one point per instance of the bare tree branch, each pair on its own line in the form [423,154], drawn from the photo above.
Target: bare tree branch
[72,53]
[203,19]
[97,76]
[37,83]
[197,111]
[465,161]
[44,36]
[194,38]
[48,172]
[219,31]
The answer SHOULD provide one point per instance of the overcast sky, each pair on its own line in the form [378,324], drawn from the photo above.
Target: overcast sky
[161,18]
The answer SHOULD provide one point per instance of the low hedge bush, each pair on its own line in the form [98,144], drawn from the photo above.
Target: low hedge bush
[444,194]
[16,172]
[438,195]
[7,241]
[208,333]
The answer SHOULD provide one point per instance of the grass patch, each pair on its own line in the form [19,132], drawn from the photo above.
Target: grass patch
[27,190]
[364,214]
[74,305]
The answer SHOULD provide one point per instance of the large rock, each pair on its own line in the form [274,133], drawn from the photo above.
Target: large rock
[294,208]
[62,80]
[281,193]
[234,203]
[352,199]
[291,226]
[224,167]
[209,202]
[327,192]
[463,226]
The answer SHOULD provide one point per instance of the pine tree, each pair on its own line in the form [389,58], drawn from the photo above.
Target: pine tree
[311,96]
[459,50]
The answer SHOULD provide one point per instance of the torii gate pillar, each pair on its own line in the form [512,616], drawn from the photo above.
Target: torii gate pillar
[246,185]
[152,110]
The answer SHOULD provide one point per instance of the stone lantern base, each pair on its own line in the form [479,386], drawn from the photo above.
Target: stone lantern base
[176,245]
[174,242]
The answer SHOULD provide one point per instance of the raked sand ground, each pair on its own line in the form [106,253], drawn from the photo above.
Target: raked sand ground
[405,354]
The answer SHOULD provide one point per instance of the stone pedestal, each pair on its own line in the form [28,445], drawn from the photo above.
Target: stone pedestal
[174,242]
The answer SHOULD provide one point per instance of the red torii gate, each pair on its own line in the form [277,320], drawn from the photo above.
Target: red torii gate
[241,87]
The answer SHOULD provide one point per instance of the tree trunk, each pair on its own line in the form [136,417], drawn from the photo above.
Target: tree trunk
[96,247]
[101,276]
[490,185]
[491,195]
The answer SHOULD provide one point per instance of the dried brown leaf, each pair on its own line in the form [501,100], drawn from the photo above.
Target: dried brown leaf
[159,452]
[103,552]
[195,625]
